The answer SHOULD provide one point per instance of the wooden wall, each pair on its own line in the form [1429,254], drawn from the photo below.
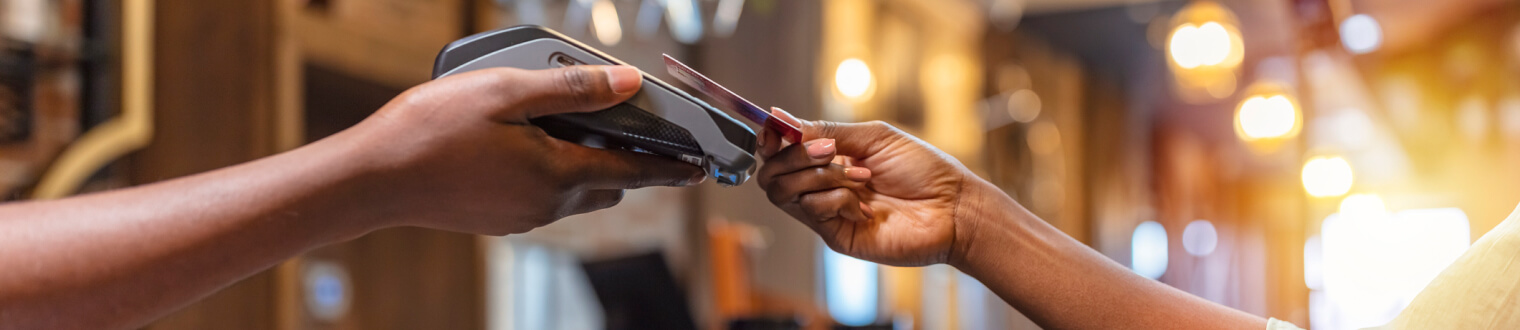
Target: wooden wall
[237,80]
[212,99]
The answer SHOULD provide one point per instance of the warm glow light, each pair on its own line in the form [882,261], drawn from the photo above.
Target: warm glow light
[1363,207]
[1372,268]
[853,78]
[1148,250]
[1327,176]
[1192,46]
[1266,117]
[604,20]
[1204,50]
[1361,34]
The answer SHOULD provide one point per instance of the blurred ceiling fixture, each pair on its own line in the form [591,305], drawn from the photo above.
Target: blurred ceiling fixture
[1361,34]
[726,19]
[1148,250]
[1205,49]
[1269,112]
[853,79]
[1327,176]
[1192,46]
[604,21]
[685,19]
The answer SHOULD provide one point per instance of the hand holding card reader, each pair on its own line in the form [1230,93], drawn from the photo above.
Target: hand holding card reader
[660,119]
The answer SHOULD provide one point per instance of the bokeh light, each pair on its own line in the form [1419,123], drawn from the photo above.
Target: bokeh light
[1361,34]
[1204,49]
[1268,116]
[604,20]
[850,288]
[1327,176]
[1148,250]
[685,20]
[1199,238]
[853,78]
[1192,46]
[1024,105]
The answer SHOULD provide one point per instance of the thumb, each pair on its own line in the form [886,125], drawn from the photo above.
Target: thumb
[859,140]
[581,88]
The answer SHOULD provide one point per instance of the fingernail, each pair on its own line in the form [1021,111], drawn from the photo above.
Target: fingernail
[763,134]
[857,173]
[624,79]
[867,210]
[821,148]
[785,116]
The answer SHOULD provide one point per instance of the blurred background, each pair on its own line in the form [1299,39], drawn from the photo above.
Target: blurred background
[1317,161]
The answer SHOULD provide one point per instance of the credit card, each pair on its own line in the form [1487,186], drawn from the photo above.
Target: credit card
[727,100]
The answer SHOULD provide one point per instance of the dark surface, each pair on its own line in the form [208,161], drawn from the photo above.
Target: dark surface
[639,292]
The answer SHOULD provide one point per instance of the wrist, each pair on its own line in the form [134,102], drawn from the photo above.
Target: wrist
[349,173]
[984,220]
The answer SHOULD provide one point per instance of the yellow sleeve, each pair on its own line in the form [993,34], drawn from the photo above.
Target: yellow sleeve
[1477,291]
[1276,324]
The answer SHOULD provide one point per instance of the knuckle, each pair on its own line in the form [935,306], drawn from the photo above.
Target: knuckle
[560,175]
[822,171]
[828,128]
[817,206]
[580,84]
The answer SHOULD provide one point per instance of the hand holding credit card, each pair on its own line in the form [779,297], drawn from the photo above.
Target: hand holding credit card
[729,101]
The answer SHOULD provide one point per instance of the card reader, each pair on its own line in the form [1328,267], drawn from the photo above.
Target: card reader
[660,119]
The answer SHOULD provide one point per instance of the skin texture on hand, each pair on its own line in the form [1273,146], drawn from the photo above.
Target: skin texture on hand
[462,156]
[913,192]
[928,208]
[454,154]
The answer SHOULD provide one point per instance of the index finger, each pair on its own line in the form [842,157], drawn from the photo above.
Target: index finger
[858,140]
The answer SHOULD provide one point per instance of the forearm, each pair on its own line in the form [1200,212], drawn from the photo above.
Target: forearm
[1060,283]
[119,259]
